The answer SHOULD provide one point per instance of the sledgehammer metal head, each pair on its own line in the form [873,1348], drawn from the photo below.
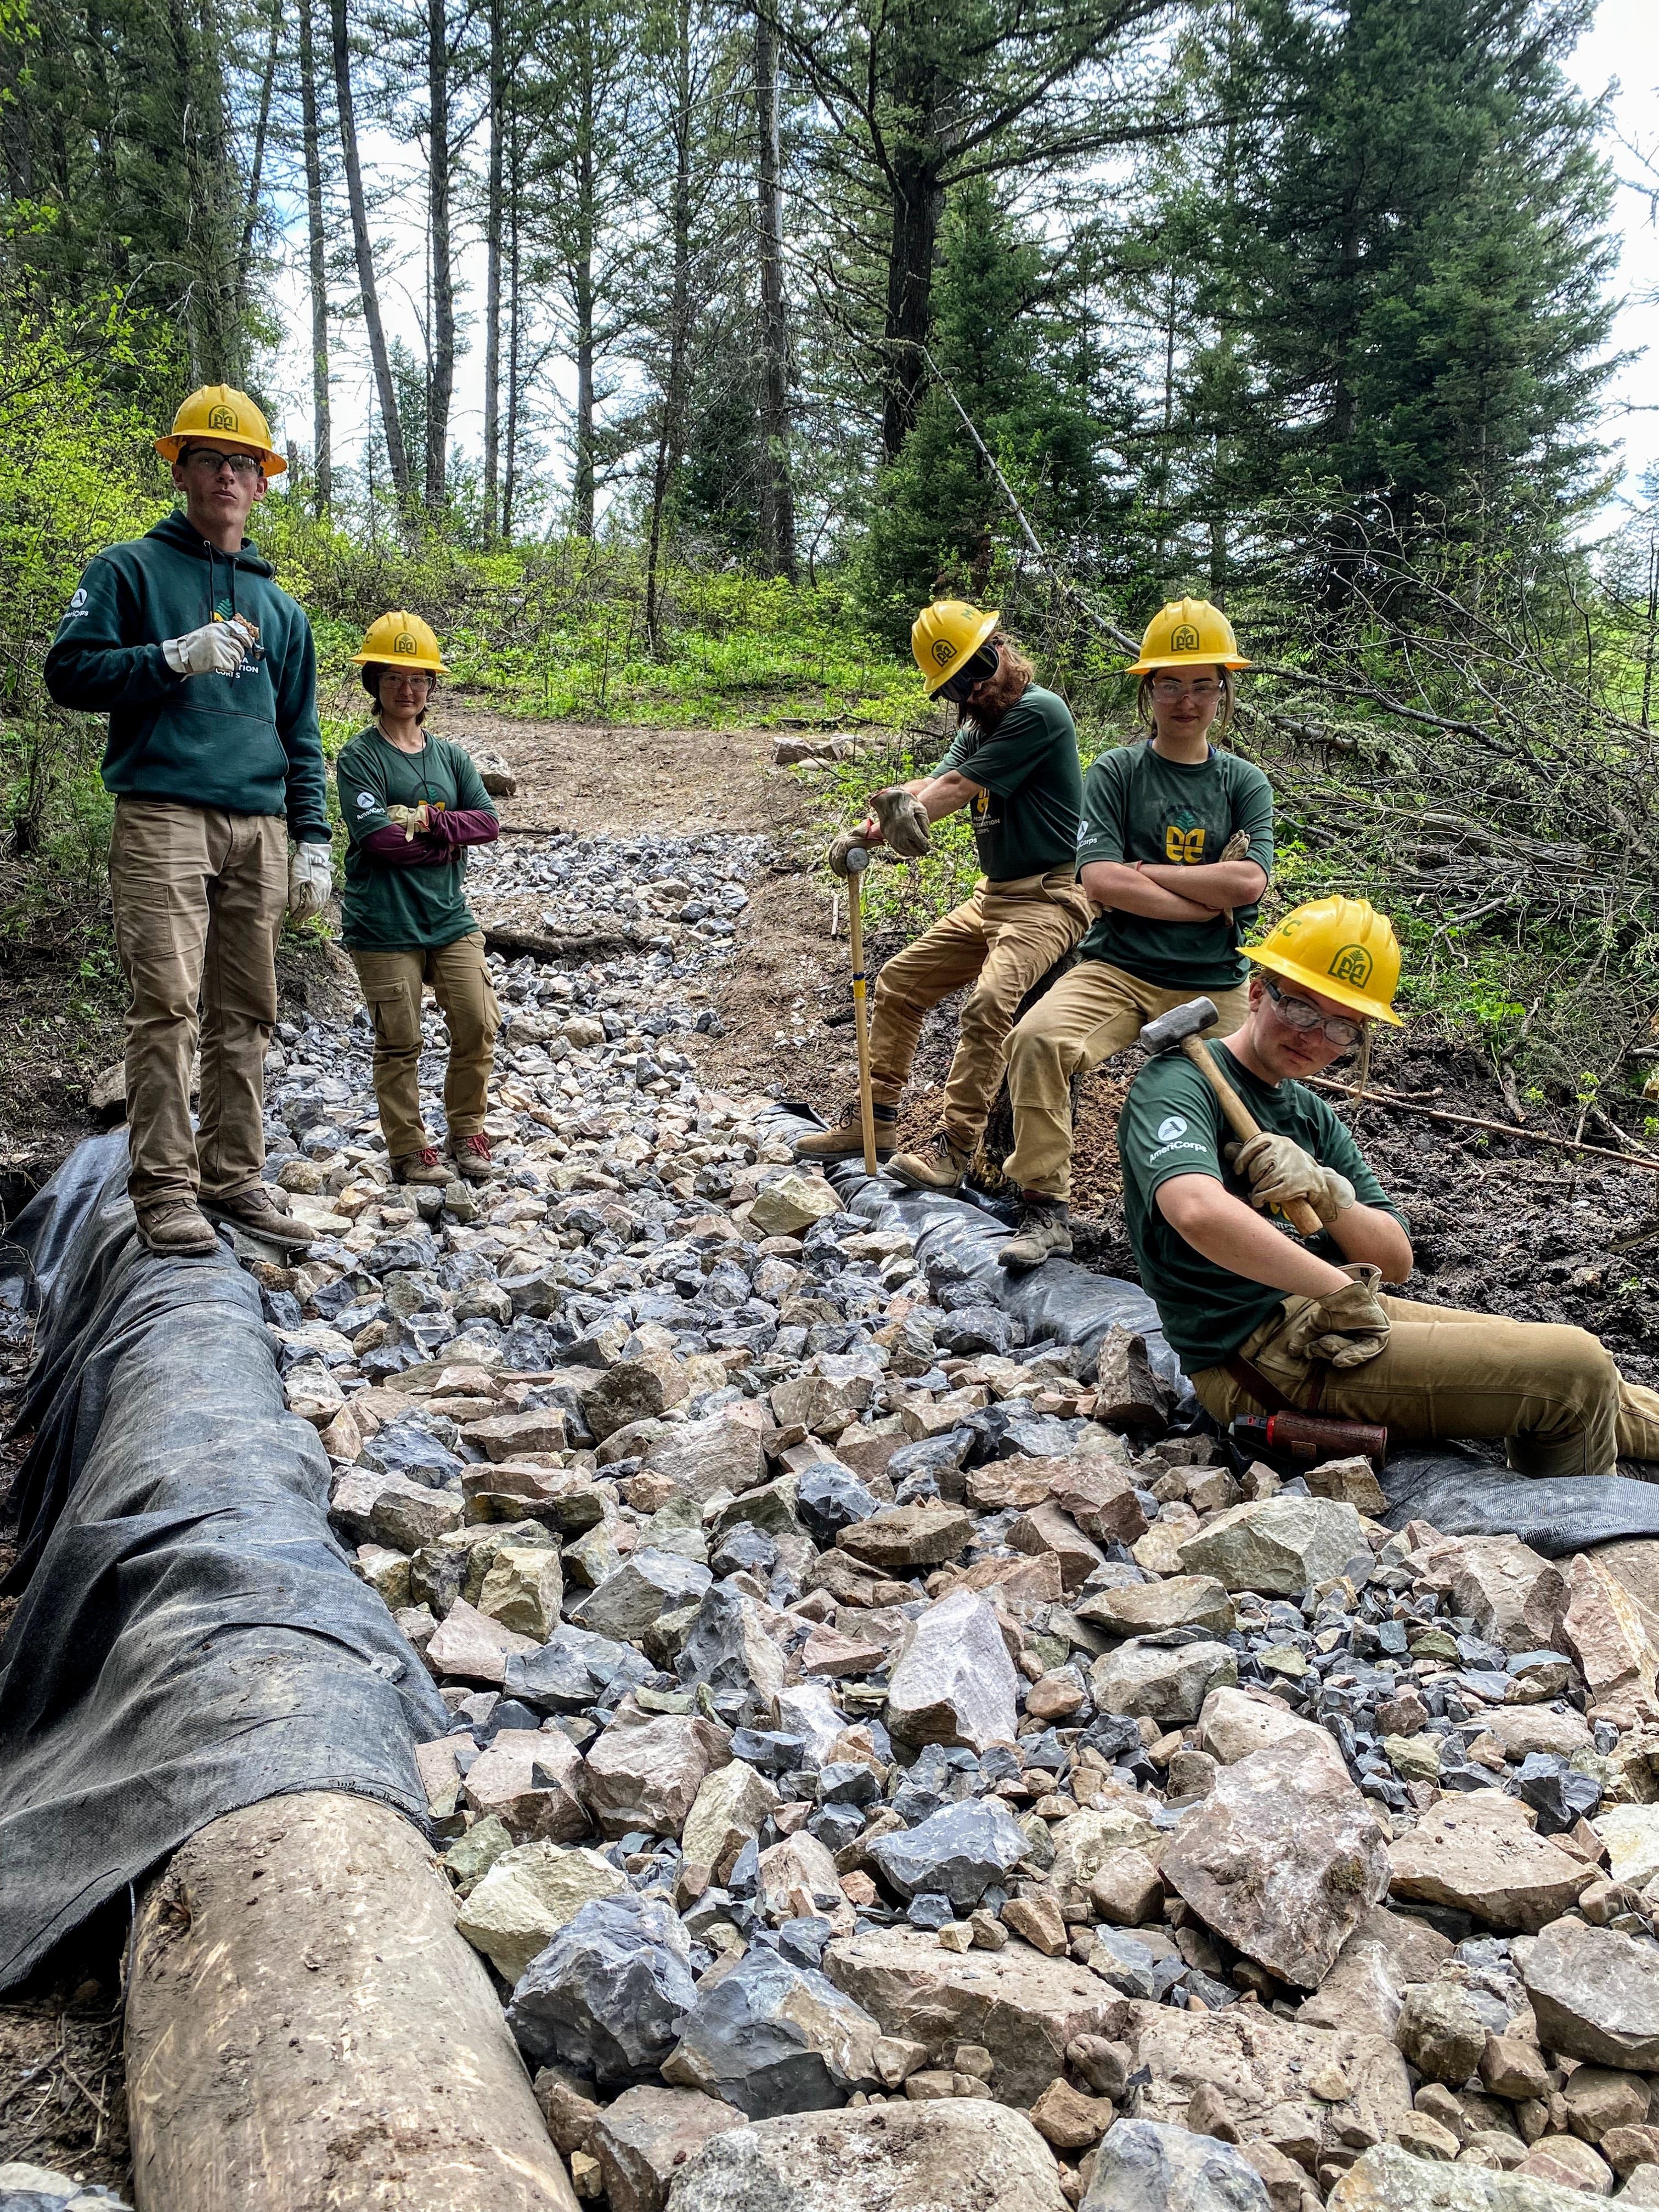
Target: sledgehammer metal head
[1169,1032]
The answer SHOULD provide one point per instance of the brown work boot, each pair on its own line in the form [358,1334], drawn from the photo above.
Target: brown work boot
[471,1158]
[425,1166]
[1043,1232]
[258,1212]
[937,1166]
[845,1140]
[177,1230]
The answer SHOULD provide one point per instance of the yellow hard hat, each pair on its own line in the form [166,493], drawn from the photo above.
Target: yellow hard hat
[1342,948]
[1188,631]
[219,411]
[947,634]
[401,640]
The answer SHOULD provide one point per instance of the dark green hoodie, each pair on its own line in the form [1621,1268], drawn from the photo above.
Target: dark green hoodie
[248,743]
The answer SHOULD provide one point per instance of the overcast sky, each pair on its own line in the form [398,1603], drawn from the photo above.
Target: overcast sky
[1621,50]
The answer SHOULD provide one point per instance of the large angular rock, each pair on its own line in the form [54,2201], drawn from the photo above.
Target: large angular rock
[1388,2180]
[772,2036]
[789,1206]
[523,1588]
[954,1682]
[1165,1683]
[1236,1723]
[1603,1628]
[575,1670]
[644,2139]
[1142,2167]
[1491,1578]
[1277,1546]
[725,1450]
[1023,2008]
[1441,2031]
[905,1537]
[1143,1608]
[1100,1498]
[1046,1531]
[635,1390]
[958,1852]
[1384,1955]
[827,1396]
[1595,1993]
[1129,1394]
[730,1805]
[963,2155]
[649,1584]
[469,1645]
[797,1878]
[1478,1852]
[516,1436]
[530,1780]
[645,1769]
[1281,1859]
[607,1994]
[528,1896]
[729,1650]
[1631,1833]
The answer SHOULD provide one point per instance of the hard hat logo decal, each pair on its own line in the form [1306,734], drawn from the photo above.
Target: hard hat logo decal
[1352,964]
[943,651]
[404,643]
[224,418]
[1183,638]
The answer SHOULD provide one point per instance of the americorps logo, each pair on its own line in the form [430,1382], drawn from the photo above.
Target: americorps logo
[365,802]
[1169,1130]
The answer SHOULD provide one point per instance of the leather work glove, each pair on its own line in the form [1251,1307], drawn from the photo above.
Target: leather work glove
[218,648]
[904,823]
[1279,1170]
[409,819]
[837,856]
[310,880]
[1345,1327]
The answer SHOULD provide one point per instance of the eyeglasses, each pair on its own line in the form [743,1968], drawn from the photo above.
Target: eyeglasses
[1205,690]
[239,464]
[1302,1014]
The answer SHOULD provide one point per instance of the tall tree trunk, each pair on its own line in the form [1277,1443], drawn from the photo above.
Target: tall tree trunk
[582,490]
[493,276]
[322,436]
[918,203]
[377,346]
[256,172]
[671,435]
[514,318]
[212,323]
[440,384]
[777,502]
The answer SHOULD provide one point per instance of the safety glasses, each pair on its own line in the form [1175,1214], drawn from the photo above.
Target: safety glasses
[239,464]
[1302,1014]
[983,666]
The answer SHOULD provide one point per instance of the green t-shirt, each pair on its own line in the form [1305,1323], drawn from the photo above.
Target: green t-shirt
[1138,806]
[1172,1125]
[386,908]
[1024,821]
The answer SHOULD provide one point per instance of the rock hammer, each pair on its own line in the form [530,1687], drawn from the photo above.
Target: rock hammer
[858,860]
[1180,1031]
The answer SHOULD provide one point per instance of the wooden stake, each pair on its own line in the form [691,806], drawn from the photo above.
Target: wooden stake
[861,1017]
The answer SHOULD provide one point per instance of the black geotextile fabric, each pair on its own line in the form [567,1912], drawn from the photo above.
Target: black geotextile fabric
[1462,1489]
[189,1638]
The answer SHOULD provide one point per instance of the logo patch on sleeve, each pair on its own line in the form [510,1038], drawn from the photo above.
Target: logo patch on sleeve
[1169,1130]
[365,802]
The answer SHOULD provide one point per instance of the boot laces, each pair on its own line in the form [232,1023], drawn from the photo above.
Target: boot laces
[477,1144]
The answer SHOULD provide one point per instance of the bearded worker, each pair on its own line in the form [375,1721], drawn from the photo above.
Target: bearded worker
[1262,1320]
[1013,765]
[208,673]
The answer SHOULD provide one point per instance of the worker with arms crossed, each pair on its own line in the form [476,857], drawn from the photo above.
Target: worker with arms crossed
[412,803]
[1261,1319]
[208,673]
[1176,852]
[1014,764]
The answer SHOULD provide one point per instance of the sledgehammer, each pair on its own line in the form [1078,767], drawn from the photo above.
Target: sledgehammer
[1180,1030]
[858,860]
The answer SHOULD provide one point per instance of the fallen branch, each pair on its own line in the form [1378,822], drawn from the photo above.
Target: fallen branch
[592,945]
[1375,1098]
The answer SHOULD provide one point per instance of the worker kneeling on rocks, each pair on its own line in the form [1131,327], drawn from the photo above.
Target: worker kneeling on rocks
[412,803]
[208,673]
[1014,764]
[1176,851]
[1262,1320]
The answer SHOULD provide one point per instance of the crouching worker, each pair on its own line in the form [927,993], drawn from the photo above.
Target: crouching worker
[412,804]
[1261,1319]
[1176,849]
[1014,764]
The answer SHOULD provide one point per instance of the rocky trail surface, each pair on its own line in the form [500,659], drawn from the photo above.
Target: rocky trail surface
[891,1771]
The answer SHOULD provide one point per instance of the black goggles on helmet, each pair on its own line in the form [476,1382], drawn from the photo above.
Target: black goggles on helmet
[985,663]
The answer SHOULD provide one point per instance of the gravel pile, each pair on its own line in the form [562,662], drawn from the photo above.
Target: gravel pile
[859,1713]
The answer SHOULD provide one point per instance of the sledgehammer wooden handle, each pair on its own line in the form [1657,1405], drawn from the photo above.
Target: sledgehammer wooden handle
[1298,1212]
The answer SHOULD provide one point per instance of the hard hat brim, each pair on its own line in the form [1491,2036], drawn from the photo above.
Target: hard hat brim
[275,464]
[1326,986]
[989,620]
[401,661]
[1145,665]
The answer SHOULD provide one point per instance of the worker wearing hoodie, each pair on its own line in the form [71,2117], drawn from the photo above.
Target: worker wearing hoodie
[206,671]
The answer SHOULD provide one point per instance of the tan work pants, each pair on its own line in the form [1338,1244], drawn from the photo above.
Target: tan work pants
[1553,1394]
[392,985]
[1094,1010]
[199,897]
[1004,938]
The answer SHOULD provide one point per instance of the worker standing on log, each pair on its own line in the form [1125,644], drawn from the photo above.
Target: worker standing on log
[208,676]
[1174,853]
[412,804]
[1263,1320]
[1014,764]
